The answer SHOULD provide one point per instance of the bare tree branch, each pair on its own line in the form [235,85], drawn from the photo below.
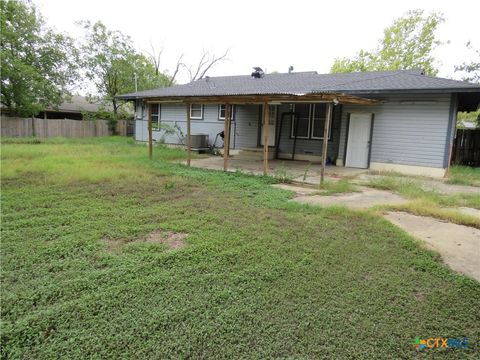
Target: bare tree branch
[155,57]
[214,61]
[177,68]
[206,63]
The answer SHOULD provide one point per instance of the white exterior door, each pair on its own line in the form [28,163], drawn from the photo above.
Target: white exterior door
[271,126]
[358,144]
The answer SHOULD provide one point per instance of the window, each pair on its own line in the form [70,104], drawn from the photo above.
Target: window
[319,114]
[196,111]
[301,122]
[155,114]
[221,112]
[311,121]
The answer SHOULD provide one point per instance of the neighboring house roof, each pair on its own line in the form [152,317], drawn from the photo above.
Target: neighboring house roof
[79,104]
[310,82]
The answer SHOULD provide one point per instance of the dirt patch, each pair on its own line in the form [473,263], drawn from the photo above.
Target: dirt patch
[172,240]
[420,295]
[364,199]
[458,245]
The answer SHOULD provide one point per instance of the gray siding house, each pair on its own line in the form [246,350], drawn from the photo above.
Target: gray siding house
[395,120]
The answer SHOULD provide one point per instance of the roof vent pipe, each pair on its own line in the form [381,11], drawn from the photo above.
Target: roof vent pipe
[290,69]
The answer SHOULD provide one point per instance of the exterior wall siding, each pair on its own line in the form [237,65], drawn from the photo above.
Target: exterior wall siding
[244,128]
[407,130]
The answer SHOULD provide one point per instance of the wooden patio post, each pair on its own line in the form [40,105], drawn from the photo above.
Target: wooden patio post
[150,140]
[226,138]
[189,138]
[266,121]
[328,119]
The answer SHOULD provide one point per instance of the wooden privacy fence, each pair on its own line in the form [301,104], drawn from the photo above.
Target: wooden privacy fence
[466,147]
[22,127]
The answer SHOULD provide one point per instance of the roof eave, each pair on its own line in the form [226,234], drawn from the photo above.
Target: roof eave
[416,91]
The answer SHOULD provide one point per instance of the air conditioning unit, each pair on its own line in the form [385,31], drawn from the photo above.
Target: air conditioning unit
[199,141]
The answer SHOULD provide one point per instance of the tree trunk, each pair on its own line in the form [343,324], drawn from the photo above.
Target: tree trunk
[115,110]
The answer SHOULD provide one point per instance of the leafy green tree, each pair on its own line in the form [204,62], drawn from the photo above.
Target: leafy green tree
[472,69]
[38,66]
[114,66]
[407,44]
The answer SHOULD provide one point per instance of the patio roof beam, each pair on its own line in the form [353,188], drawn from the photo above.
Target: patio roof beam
[261,99]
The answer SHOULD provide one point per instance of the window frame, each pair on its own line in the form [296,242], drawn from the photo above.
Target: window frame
[323,127]
[311,115]
[294,118]
[156,124]
[201,112]
[232,114]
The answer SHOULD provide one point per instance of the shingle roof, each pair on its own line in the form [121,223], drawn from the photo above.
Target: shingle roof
[309,82]
[78,103]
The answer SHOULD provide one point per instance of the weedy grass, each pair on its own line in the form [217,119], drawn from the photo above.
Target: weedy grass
[464,175]
[330,187]
[258,276]
[428,202]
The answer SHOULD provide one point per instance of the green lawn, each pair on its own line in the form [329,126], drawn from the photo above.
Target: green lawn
[259,277]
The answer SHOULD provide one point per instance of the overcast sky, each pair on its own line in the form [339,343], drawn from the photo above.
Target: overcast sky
[271,34]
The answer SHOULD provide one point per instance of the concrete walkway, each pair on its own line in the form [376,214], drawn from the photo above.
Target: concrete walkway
[458,245]
[438,185]
[364,199]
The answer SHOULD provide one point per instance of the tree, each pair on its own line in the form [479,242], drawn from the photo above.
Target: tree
[114,66]
[206,63]
[407,44]
[37,64]
[472,69]
[195,72]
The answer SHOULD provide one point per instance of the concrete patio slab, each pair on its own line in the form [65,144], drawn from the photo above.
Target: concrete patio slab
[458,245]
[298,171]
